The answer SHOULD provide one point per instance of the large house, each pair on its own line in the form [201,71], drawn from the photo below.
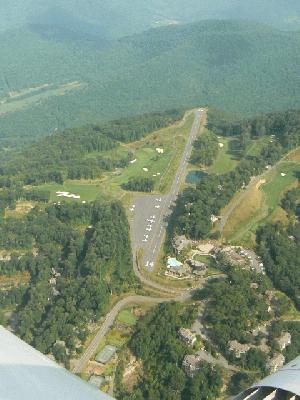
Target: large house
[284,340]
[191,364]
[188,336]
[237,348]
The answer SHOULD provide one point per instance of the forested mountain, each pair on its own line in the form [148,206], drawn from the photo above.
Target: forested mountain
[121,17]
[78,153]
[245,67]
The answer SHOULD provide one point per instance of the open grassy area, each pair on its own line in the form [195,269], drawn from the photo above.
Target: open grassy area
[22,207]
[261,202]
[276,184]
[127,317]
[230,155]
[294,156]
[88,190]
[255,147]
[227,159]
[30,97]
[250,209]
[161,167]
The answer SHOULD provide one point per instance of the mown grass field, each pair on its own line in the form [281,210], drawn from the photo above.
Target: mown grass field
[277,185]
[164,166]
[227,158]
[127,317]
[261,202]
[161,167]
[28,98]
[250,209]
[88,190]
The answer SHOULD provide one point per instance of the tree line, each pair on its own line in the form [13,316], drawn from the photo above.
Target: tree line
[139,184]
[279,248]
[205,149]
[79,152]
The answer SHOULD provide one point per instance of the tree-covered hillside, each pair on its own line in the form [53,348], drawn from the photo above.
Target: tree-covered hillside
[245,67]
[121,17]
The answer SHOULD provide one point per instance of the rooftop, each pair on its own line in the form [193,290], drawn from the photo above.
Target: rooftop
[106,354]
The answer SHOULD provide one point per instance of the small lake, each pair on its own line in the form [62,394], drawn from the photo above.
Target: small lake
[195,176]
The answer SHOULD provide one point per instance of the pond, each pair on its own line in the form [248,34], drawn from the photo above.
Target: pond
[195,176]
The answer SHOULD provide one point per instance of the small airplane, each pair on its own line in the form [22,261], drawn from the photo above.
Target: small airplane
[157,206]
[151,264]
[151,221]
[131,209]
[147,264]
[145,240]
[158,199]
[149,229]
[153,217]
[146,236]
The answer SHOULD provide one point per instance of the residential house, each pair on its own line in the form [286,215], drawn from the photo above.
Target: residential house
[191,364]
[237,348]
[106,354]
[284,340]
[180,243]
[175,267]
[275,363]
[188,336]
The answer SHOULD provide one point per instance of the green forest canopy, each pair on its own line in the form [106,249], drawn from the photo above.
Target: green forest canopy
[119,17]
[76,255]
[218,63]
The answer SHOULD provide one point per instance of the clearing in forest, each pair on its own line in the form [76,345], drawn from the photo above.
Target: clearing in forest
[260,202]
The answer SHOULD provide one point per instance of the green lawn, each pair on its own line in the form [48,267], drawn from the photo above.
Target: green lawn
[277,185]
[163,166]
[127,317]
[31,98]
[256,146]
[227,158]
[87,191]
[273,190]
[206,259]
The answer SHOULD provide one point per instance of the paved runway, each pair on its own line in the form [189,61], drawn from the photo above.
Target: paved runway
[149,218]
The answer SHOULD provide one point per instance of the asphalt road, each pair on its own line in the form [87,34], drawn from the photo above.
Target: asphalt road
[149,222]
[107,324]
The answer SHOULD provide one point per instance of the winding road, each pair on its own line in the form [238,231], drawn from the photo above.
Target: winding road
[107,324]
